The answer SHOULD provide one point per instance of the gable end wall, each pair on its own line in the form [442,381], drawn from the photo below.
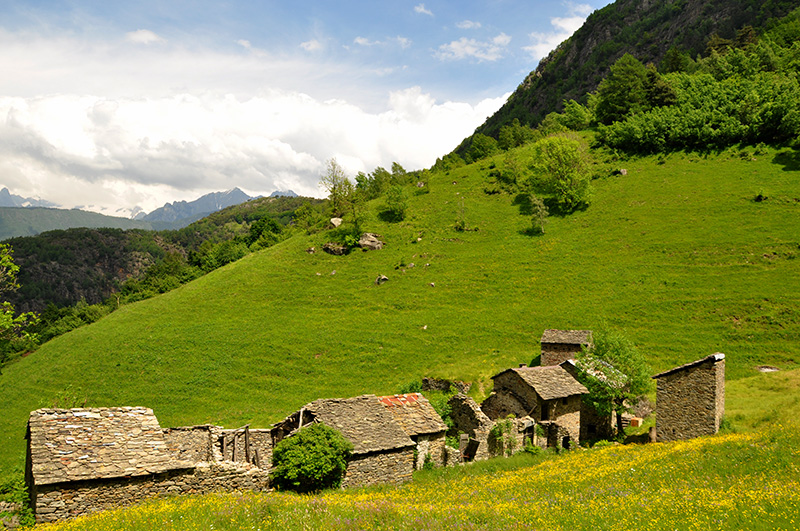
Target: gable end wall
[690,403]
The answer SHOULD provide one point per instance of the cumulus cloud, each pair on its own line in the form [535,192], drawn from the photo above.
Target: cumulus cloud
[468,24]
[464,48]
[143,36]
[363,41]
[113,126]
[542,43]
[402,42]
[422,10]
[311,46]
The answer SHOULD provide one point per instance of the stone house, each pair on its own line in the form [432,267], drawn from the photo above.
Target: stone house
[382,451]
[421,423]
[475,426]
[559,346]
[550,395]
[690,399]
[81,461]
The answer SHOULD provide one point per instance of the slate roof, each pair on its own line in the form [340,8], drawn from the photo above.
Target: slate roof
[550,381]
[712,358]
[362,420]
[414,414]
[97,443]
[569,337]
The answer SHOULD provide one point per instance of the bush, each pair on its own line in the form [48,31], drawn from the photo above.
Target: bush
[313,459]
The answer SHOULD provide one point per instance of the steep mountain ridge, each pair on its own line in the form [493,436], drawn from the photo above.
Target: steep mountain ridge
[646,29]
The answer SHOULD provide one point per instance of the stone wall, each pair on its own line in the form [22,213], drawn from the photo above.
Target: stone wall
[190,443]
[432,445]
[690,402]
[566,412]
[62,501]
[393,467]
[558,353]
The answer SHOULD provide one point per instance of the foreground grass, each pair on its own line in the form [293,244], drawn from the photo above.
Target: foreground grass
[731,481]
[676,253]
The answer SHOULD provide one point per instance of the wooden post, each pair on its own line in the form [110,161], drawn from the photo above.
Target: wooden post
[233,454]
[257,457]
[247,444]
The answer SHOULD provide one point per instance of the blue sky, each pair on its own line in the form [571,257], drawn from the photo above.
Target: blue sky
[110,105]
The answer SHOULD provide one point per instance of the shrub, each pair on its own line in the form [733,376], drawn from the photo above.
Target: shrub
[313,459]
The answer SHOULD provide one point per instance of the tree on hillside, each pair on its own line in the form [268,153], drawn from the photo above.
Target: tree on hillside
[615,373]
[338,186]
[13,328]
[562,165]
[622,92]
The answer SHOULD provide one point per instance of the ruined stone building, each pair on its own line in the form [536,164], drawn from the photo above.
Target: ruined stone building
[382,451]
[550,395]
[474,424]
[421,423]
[86,460]
[559,346]
[690,399]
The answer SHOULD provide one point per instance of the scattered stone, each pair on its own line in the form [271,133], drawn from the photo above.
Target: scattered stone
[455,182]
[381,279]
[336,222]
[333,272]
[767,368]
[425,327]
[335,249]
[411,265]
[319,274]
[419,239]
[420,184]
[370,242]
[311,250]
[433,284]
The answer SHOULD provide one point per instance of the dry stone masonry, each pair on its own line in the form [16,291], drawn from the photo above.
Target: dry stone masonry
[559,346]
[690,399]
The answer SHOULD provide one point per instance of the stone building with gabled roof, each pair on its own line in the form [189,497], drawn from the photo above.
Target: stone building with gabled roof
[559,346]
[690,399]
[382,451]
[550,395]
[416,416]
[81,461]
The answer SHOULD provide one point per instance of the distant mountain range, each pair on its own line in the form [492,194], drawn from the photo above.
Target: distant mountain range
[7,199]
[25,216]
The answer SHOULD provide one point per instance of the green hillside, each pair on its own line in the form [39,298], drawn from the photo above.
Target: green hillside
[18,221]
[677,253]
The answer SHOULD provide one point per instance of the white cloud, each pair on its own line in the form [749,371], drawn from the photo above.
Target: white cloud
[363,41]
[422,10]
[143,36]
[403,42]
[311,46]
[542,43]
[464,48]
[115,126]
[468,24]
[244,43]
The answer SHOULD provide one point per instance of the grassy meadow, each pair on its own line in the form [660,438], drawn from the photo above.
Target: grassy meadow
[729,481]
[676,253]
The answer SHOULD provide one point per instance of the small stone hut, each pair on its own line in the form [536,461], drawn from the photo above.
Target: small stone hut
[550,395]
[690,399]
[474,424]
[421,423]
[559,346]
[81,461]
[382,452]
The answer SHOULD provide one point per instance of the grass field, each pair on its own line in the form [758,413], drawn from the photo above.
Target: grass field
[732,481]
[676,253]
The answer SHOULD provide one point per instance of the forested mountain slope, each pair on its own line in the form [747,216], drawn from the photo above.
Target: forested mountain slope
[645,29]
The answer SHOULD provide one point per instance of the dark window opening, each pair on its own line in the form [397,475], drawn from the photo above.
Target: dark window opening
[545,413]
[565,443]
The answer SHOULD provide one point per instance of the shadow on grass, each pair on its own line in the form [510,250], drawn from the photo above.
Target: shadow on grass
[790,160]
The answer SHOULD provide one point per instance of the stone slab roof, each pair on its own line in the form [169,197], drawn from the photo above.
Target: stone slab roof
[414,414]
[363,420]
[97,443]
[712,358]
[550,381]
[569,337]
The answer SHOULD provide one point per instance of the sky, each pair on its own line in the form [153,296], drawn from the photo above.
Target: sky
[108,106]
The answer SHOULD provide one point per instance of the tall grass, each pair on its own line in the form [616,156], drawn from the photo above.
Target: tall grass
[733,481]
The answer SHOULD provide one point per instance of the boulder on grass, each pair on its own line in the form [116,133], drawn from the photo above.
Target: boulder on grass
[370,242]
